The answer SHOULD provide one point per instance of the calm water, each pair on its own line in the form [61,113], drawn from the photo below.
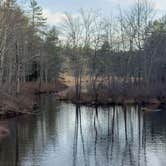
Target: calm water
[63,135]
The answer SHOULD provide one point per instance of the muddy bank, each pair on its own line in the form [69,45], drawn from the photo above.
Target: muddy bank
[26,102]
[11,105]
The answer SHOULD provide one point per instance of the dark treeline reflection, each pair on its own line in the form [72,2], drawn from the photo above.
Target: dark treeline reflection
[68,135]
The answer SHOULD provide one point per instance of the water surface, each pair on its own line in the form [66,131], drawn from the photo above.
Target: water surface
[66,135]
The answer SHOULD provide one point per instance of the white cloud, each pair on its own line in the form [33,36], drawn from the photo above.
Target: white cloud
[159,5]
[53,18]
[122,2]
[57,18]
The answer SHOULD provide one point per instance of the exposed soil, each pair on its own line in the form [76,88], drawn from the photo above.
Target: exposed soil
[26,101]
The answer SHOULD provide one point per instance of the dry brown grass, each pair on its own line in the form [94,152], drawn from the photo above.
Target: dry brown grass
[34,87]
[69,80]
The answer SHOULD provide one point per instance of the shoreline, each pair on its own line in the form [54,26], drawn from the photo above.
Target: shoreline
[87,100]
[115,102]
[26,102]
[144,105]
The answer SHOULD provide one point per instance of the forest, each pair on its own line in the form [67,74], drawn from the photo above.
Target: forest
[86,90]
[109,58]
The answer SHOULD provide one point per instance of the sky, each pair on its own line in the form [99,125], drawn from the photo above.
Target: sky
[54,9]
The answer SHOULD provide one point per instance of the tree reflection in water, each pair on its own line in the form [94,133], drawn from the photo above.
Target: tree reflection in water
[68,135]
[122,147]
[124,137]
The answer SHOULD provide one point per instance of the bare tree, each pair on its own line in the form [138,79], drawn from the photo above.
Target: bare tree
[73,31]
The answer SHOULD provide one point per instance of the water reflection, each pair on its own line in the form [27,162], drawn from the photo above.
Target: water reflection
[68,135]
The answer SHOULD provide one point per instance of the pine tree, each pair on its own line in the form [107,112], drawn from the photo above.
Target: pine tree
[37,19]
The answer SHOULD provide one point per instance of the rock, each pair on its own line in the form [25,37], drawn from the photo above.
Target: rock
[154,101]
[151,107]
[146,109]
[3,132]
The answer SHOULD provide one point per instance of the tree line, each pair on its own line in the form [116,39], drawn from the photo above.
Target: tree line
[29,50]
[120,55]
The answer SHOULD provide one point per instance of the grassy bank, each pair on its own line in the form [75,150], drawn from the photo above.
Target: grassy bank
[104,98]
[87,99]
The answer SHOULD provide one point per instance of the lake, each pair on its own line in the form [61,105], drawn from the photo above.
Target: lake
[65,135]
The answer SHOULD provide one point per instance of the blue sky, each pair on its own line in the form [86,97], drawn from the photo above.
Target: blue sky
[73,5]
[54,9]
